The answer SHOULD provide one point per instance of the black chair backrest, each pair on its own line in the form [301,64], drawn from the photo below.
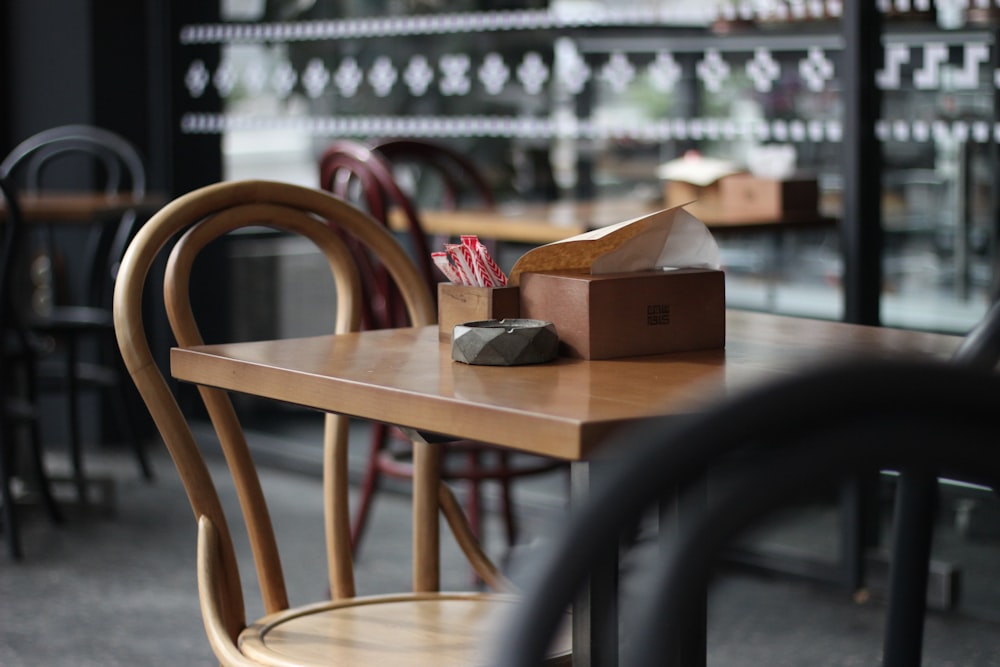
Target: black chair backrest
[928,419]
[981,346]
[32,158]
[116,168]
[10,253]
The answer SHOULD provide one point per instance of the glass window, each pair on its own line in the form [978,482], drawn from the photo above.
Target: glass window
[575,98]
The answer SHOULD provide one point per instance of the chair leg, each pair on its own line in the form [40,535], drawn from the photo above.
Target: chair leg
[11,527]
[916,502]
[507,499]
[75,436]
[473,504]
[369,484]
[42,477]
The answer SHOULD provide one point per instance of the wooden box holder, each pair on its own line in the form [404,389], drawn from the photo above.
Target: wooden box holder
[462,303]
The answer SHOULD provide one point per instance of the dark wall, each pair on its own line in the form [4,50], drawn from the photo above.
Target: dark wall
[113,63]
[110,63]
[48,63]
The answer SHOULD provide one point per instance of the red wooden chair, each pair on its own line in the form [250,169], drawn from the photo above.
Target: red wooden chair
[350,169]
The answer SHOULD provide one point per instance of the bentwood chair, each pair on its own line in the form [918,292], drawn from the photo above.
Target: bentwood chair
[18,391]
[766,448]
[423,627]
[345,165]
[76,313]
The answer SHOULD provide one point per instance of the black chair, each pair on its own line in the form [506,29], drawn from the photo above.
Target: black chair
[353,171]
[55,159]
[18,390]
[926,419]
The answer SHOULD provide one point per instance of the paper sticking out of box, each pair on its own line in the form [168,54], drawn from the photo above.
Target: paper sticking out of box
[645,286]
[668,239]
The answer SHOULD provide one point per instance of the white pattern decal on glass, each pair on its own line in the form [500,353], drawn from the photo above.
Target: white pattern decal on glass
[382,76]
[454,74]
[712,70]
[816,69]
[225,78]
[968,77]
[896,55]
[284,79]
[255,77]
[315,78]
[418,75]
[664,72]
[494,73]
[348,77]
[928,77]
[532,73]
[618,72]
[763,70]
[196,78]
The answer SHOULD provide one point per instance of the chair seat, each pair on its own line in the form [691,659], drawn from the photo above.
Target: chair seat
[433,629]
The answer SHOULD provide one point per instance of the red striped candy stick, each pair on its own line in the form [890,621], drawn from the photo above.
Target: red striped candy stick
[460,263]
[499,278]
[444,265]
[483,276]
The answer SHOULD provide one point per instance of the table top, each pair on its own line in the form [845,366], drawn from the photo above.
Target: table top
[71,206]
[538,223]
[564,408]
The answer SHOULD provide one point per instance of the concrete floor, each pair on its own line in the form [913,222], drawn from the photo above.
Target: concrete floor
[116,586]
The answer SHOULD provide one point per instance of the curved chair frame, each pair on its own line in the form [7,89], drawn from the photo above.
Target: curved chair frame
[346,164]
[923,418]
[112,150]
[198,218]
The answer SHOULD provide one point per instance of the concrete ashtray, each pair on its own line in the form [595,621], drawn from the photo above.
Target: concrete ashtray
[507,342]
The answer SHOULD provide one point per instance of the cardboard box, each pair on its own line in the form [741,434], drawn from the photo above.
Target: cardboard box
[746,198]
[463,303]
[629,314]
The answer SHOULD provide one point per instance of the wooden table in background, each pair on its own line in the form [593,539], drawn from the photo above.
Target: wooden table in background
[538,223]
[565,409]
[71,207]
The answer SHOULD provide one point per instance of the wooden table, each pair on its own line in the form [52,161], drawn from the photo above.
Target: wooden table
[65,207]
[538,223]
[564,409]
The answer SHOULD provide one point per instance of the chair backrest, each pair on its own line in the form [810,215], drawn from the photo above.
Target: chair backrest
[346,166]
[420,165]
[90,158]
[35,156]
[191,221]
[12,331]
[981,346]
[763,448]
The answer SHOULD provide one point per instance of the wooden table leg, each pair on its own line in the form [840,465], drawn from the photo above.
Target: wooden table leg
[426,526]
